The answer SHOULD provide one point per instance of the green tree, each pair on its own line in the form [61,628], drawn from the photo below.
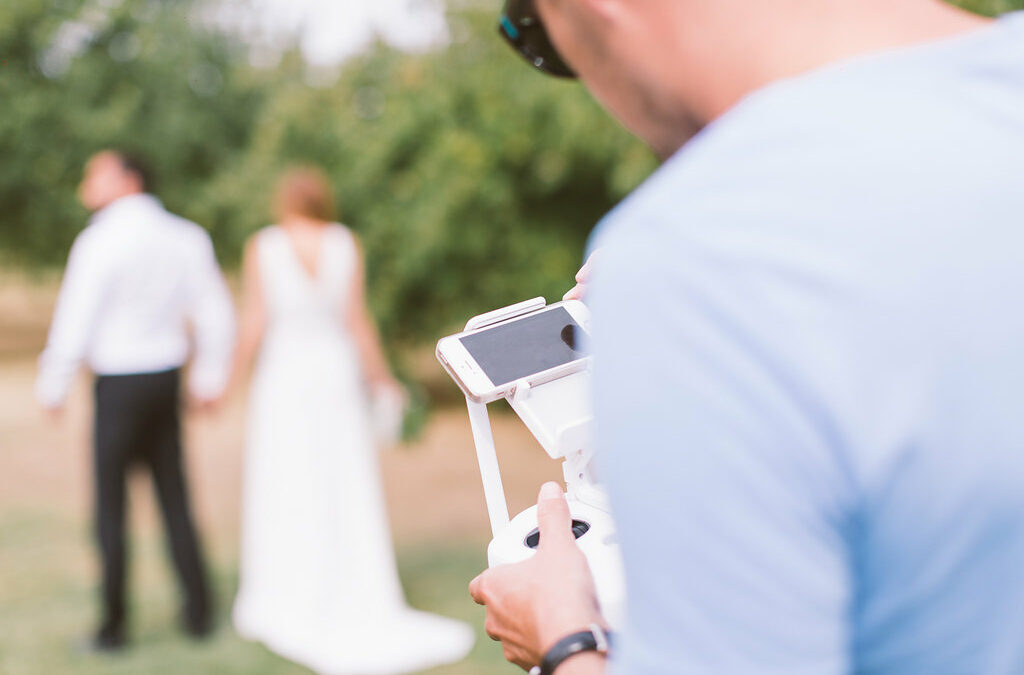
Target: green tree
[990,7]
[76,79]
[472,181]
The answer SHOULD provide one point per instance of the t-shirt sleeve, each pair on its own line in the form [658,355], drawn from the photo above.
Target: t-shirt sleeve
[731,502]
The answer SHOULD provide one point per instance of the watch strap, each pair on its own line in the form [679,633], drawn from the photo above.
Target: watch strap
[594,639]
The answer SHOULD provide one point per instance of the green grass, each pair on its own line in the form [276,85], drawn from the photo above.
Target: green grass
[48,603]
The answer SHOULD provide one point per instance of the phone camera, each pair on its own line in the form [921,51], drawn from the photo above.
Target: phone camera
[568,336]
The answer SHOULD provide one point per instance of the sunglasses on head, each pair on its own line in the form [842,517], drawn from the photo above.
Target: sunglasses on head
[520,25]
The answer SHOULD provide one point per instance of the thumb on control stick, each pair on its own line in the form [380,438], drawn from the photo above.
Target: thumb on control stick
[553,517]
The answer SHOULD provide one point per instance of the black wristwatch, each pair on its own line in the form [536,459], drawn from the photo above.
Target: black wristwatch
[594,639]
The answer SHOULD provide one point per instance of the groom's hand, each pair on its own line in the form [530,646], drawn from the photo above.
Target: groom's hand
[533,604]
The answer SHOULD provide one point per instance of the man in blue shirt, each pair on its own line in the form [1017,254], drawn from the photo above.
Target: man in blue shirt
[808,341]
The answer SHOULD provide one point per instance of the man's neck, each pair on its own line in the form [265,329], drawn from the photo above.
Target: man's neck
[117,200]
[782,44]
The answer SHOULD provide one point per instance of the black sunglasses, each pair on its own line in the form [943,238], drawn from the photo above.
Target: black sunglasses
[521,26]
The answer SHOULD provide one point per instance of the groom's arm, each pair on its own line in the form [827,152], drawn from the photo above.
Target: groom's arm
[213,322]
[78,302]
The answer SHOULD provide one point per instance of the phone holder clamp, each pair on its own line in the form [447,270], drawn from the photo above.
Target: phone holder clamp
[556,410]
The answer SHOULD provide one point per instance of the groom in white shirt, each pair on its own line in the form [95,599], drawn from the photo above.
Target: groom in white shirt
[142,290]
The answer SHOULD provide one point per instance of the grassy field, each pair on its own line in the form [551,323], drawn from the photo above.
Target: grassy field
[47,600]
[48,568]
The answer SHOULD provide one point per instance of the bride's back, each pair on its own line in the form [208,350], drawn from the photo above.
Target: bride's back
[306,277]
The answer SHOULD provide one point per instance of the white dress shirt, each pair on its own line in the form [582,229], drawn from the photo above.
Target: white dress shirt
[137,279]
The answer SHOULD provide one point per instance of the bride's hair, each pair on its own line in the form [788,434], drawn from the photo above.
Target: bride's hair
[304,191]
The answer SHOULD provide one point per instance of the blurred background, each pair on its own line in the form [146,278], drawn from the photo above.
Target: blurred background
[472,182]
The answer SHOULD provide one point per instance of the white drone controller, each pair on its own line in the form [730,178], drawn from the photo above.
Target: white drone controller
[555,406]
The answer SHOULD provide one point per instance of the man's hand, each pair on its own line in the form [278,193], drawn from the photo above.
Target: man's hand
[582,279]
[533,604]
[54,414]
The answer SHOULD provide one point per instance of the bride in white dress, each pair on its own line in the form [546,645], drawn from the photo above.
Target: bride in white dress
[318,583]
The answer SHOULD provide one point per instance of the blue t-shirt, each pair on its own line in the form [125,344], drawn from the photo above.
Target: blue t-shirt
[808,330]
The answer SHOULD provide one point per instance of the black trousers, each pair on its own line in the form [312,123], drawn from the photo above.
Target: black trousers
[138,422]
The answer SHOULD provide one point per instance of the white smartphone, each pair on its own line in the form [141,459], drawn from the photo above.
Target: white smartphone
[487,362]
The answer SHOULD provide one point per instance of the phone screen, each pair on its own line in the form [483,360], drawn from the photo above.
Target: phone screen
[526,346]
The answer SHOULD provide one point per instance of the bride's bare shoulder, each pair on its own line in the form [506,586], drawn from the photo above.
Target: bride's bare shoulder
[252,242]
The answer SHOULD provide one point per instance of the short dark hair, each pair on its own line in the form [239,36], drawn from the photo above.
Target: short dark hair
[136,164]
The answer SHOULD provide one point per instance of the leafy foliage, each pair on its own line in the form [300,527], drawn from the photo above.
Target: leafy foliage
[471,181]
[74,80]
[990,7]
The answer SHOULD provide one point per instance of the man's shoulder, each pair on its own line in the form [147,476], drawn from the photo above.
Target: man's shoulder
[186,231]
[868,135]
[190,227]
[90,242]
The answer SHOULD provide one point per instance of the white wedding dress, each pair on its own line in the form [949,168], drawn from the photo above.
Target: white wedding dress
[318,583]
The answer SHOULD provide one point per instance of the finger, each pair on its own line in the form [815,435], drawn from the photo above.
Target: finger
[476,589]
[553,516]
[584,274]
[491,628]
[574,293]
